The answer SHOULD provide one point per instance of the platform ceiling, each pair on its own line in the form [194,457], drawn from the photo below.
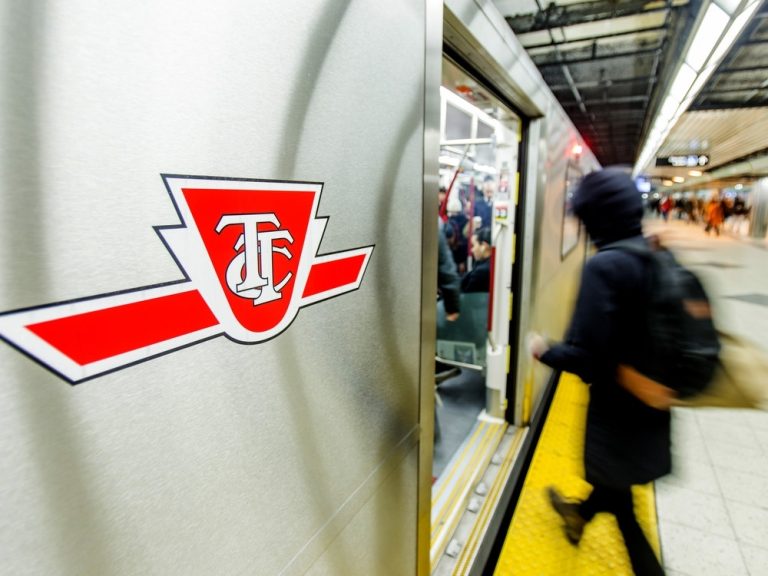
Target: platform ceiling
[609,63]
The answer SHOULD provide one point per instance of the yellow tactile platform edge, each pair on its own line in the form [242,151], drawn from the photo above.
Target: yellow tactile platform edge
[535,544]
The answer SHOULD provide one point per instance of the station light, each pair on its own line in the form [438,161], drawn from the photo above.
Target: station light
[734,30]
[695,173]
[715,21]
[484,168]
[713,32]
[678,179]
[577,150]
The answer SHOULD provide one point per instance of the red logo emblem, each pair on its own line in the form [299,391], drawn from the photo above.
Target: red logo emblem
[249,252]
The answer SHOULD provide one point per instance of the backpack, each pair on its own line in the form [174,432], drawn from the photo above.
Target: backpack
[683,343]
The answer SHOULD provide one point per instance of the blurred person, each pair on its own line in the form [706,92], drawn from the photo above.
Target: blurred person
[739,205]
[442,198]
[456,233]
[479,278]
[665,206]
[689,208]
[448,281]
[679,207]
[654,206]
[714,215]
[484,203]
[449,289]
[627,441]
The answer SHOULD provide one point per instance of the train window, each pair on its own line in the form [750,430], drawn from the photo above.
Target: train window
[458,124]
[571,224]
[485,130]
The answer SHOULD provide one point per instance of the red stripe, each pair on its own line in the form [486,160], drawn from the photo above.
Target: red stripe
[326,276]
[101,334]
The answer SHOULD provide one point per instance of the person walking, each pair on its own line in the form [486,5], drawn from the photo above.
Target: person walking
[715,215]
[627,441]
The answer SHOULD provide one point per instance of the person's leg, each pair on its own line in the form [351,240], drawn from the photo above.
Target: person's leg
[576,514]
[597,501]
[641,555]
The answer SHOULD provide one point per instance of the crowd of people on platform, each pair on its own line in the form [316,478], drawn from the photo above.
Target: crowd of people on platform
[712,213]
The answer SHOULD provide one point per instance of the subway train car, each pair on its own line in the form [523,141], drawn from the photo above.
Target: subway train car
[219,272]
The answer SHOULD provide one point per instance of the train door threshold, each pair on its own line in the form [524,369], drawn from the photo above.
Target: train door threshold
[467,494]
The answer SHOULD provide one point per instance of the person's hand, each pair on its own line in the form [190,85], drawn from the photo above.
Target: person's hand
[452,317]
[537,345]
[650,392]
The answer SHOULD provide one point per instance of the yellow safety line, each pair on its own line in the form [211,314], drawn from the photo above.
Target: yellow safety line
[535,543]
[481,524]
[517,187]
[449,529]
[457,463]
[463,478]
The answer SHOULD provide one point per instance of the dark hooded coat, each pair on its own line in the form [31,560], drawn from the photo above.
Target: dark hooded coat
[627,442]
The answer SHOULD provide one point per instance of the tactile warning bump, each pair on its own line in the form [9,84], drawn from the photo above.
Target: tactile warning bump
[535,544]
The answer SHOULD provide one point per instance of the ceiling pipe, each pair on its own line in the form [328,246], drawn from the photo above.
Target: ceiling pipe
[755,167]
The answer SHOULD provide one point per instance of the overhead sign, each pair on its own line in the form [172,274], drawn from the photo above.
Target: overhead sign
[689,161]
[248,250]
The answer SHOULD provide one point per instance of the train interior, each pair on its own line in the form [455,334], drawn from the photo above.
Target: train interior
[479,143]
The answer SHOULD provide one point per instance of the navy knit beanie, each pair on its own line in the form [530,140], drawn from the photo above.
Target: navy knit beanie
[609,204]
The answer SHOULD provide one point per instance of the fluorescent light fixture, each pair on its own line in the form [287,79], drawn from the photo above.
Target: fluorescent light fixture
[683,81]
[679,179]
[699,84]
[668,109]
[677,115]
[709,32]
[729,5]
[694,173]
[687,82]
[667,182]
[739,23]
[484,168]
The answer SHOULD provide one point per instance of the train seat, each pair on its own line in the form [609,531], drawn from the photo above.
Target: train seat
[462,342]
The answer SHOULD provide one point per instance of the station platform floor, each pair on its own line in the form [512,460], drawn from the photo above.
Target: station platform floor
[710,516]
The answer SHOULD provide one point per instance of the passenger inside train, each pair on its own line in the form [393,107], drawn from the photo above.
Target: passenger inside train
[479,278]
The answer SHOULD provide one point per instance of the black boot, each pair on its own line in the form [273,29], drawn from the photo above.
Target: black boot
[569,512]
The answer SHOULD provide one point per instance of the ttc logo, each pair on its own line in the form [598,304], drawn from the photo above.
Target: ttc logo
[248,251]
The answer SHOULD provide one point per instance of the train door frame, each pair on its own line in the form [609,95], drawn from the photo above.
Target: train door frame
[433,43]
[504,391]
[454,28]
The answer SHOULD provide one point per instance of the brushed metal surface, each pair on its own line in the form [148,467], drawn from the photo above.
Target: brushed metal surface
[220,458]
[433,47]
